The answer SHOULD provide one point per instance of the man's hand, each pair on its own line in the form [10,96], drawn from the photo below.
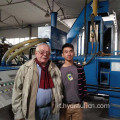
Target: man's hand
[85,105]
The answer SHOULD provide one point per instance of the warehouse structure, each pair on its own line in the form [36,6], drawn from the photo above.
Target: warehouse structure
[92,26]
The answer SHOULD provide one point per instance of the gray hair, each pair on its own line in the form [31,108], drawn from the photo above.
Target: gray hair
[37,48]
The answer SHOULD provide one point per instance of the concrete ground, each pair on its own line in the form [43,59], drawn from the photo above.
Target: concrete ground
[88,114]
[98,113]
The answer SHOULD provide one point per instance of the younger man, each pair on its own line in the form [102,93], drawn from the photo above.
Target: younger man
[74,86]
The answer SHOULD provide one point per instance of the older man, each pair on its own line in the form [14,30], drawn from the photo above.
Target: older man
[37,87]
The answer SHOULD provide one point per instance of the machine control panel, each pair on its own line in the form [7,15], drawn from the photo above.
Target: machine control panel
[6,85]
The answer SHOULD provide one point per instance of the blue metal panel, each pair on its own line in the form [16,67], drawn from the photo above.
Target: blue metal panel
[74,31]
[115,78]
[56,37]
[91,73]
[107,92]
[103,7]
[8,68]
[115,75]
[114,107]
[92,50]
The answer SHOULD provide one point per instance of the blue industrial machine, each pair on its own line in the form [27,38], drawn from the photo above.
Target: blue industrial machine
[98,50]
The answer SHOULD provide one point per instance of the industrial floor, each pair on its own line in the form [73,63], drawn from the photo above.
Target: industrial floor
[97,113]
[88,114]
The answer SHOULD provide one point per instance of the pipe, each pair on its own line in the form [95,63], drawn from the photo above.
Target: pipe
[4,58]
[85,44]
[95,7]
[105,87]
[24,48]
[78,24]
[53,19]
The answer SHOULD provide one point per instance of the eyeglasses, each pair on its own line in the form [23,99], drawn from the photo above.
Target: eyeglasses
[42,52]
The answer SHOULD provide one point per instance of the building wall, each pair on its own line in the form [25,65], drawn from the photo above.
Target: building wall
[18,33]
[25,32]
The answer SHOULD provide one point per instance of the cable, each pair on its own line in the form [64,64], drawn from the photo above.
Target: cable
[92,21]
